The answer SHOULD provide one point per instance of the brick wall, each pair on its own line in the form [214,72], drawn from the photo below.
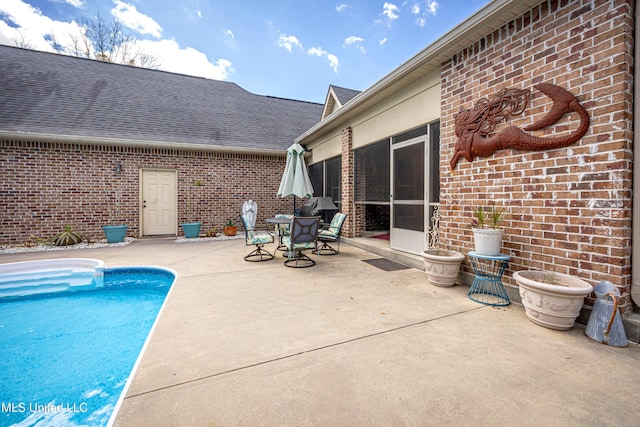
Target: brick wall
[569,209]
[348,182]
[48,185]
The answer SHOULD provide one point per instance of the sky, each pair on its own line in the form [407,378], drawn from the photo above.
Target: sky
[290,49]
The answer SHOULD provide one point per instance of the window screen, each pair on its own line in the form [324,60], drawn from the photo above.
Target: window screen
[372,172]
[333,179]
[315,176]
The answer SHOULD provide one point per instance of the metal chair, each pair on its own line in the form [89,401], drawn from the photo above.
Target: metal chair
[283,230]
[259,240]
[304,236]
[331,234]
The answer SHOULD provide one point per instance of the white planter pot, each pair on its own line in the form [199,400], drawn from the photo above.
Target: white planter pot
[488,241]
[554,306]
[442,266]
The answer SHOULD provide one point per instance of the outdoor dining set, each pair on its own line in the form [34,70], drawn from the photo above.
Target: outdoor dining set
[308,229]
[295,235]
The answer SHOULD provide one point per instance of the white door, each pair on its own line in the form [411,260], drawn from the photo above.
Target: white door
[408,195]
[159,202]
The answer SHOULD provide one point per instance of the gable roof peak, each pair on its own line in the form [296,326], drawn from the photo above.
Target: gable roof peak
[336,97]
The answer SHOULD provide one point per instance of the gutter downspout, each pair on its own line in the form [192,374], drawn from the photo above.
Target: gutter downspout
[635,225]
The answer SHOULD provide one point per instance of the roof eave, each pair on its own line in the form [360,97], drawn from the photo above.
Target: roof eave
[76,139]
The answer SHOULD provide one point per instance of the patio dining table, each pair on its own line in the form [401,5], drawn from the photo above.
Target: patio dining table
[277,222]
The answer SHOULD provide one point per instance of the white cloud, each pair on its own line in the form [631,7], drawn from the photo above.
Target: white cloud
[356,42]
[30,24]
[188,61]
[333,62]
[130,17]
[432,7]
[341,7]
[38,30]
[288,42]
[383,41]
[320,52]
[199,13]
[229,34]
[353,40]
[317,51]
[75,3]
[390,10]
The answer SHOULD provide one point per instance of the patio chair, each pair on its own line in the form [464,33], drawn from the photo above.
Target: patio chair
[331,234]
[283,230]
[251,237]
[304,236]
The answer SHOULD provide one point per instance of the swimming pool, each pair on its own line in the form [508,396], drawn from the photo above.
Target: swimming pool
[68,354]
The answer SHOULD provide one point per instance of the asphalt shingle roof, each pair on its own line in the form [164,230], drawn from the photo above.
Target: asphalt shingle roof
[343,94]
[68,96]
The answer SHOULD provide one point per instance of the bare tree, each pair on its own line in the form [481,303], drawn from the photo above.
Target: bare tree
[20,40]
[108,41]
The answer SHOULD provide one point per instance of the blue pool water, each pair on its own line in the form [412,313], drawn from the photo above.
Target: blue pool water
[66,356]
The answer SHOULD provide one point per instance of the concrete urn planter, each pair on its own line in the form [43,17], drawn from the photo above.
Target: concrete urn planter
[552,300]
[442,266]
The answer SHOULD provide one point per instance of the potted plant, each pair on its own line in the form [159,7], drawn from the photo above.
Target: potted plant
[230,228]
[115,233]
[487,233]
[551,299]
[441,265]
[191,229]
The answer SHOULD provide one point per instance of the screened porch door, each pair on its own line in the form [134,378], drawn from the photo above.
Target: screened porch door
[408,195]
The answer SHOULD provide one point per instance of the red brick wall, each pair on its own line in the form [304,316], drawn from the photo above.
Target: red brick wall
[48,185]
[569,209]
[347,182]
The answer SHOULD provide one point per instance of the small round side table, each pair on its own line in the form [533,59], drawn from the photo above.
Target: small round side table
[487,287]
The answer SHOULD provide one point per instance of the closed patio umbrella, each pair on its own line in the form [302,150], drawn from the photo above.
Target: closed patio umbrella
[295,179]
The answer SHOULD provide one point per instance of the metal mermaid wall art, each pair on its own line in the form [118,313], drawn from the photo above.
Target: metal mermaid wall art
[473,125]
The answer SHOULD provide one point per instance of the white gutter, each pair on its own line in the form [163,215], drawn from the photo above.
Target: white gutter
[635,225]
[138,143]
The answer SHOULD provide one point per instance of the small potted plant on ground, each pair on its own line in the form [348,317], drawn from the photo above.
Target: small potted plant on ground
[115,233]
[487,233]
[230,228]
[550,299]
[191,229]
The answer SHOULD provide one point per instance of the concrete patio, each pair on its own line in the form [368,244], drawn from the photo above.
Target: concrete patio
[347,344]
